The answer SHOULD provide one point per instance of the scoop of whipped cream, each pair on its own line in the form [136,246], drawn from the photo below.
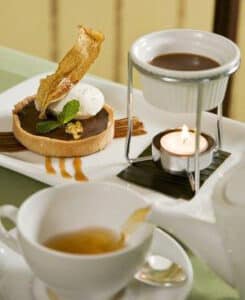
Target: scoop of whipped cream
[90,98]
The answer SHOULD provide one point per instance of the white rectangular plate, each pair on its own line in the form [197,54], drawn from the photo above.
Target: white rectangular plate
[107,163]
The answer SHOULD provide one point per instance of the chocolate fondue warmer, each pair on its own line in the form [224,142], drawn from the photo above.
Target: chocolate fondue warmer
[182,92]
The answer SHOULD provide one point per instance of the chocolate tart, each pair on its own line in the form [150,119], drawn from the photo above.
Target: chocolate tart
[98,132]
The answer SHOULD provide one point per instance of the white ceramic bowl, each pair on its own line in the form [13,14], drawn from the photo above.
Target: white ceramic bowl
[182,96]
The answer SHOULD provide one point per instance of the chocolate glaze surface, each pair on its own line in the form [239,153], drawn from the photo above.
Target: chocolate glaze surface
[29,118]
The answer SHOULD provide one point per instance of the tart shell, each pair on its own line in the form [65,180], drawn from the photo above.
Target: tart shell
[59,148]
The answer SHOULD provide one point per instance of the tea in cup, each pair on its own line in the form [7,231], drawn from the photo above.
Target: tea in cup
[51,223]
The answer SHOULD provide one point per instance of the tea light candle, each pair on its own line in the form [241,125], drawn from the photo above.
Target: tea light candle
[182,142]
[175,150]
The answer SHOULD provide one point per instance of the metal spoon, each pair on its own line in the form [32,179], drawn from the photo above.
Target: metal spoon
[161,272]
[157,270]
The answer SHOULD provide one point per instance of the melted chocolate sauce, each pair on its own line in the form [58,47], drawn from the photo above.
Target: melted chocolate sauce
[184,62]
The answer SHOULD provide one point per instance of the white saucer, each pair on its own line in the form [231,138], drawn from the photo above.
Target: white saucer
[18,282]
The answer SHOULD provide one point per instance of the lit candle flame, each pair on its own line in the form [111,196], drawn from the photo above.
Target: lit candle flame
[185,134]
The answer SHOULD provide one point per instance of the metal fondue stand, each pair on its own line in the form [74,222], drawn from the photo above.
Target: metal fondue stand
[195,182]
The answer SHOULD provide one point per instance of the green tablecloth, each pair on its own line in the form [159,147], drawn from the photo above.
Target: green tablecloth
[14,188]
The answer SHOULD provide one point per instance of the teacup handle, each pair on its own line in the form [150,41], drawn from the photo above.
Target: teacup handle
[9,212]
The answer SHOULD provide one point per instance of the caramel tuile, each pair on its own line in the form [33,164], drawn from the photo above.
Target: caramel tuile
[70,70]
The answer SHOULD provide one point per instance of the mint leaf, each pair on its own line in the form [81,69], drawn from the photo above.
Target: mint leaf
[69,112]
[47,126]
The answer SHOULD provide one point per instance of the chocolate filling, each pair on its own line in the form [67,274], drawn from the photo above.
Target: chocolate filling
[28,117]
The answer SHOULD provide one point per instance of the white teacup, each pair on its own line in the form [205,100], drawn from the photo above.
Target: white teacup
[71,207]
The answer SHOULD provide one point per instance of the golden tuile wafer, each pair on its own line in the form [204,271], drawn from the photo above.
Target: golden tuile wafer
[70,70]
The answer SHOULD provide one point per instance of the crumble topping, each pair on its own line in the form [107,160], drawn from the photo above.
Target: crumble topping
[75,129]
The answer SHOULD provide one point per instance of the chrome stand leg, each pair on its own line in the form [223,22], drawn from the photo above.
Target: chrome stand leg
[129,109]
[197,140]
[129,115]
[190,176]
[219,127]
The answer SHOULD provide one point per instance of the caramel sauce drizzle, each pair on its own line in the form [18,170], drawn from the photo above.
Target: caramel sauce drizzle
[77,164]
[79,175]
[8,143]
[121,127]
[63,171]
[48,165]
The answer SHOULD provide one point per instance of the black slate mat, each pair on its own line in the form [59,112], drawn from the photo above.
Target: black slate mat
[148,174]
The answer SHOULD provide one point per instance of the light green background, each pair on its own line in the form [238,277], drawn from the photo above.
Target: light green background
[15,188]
